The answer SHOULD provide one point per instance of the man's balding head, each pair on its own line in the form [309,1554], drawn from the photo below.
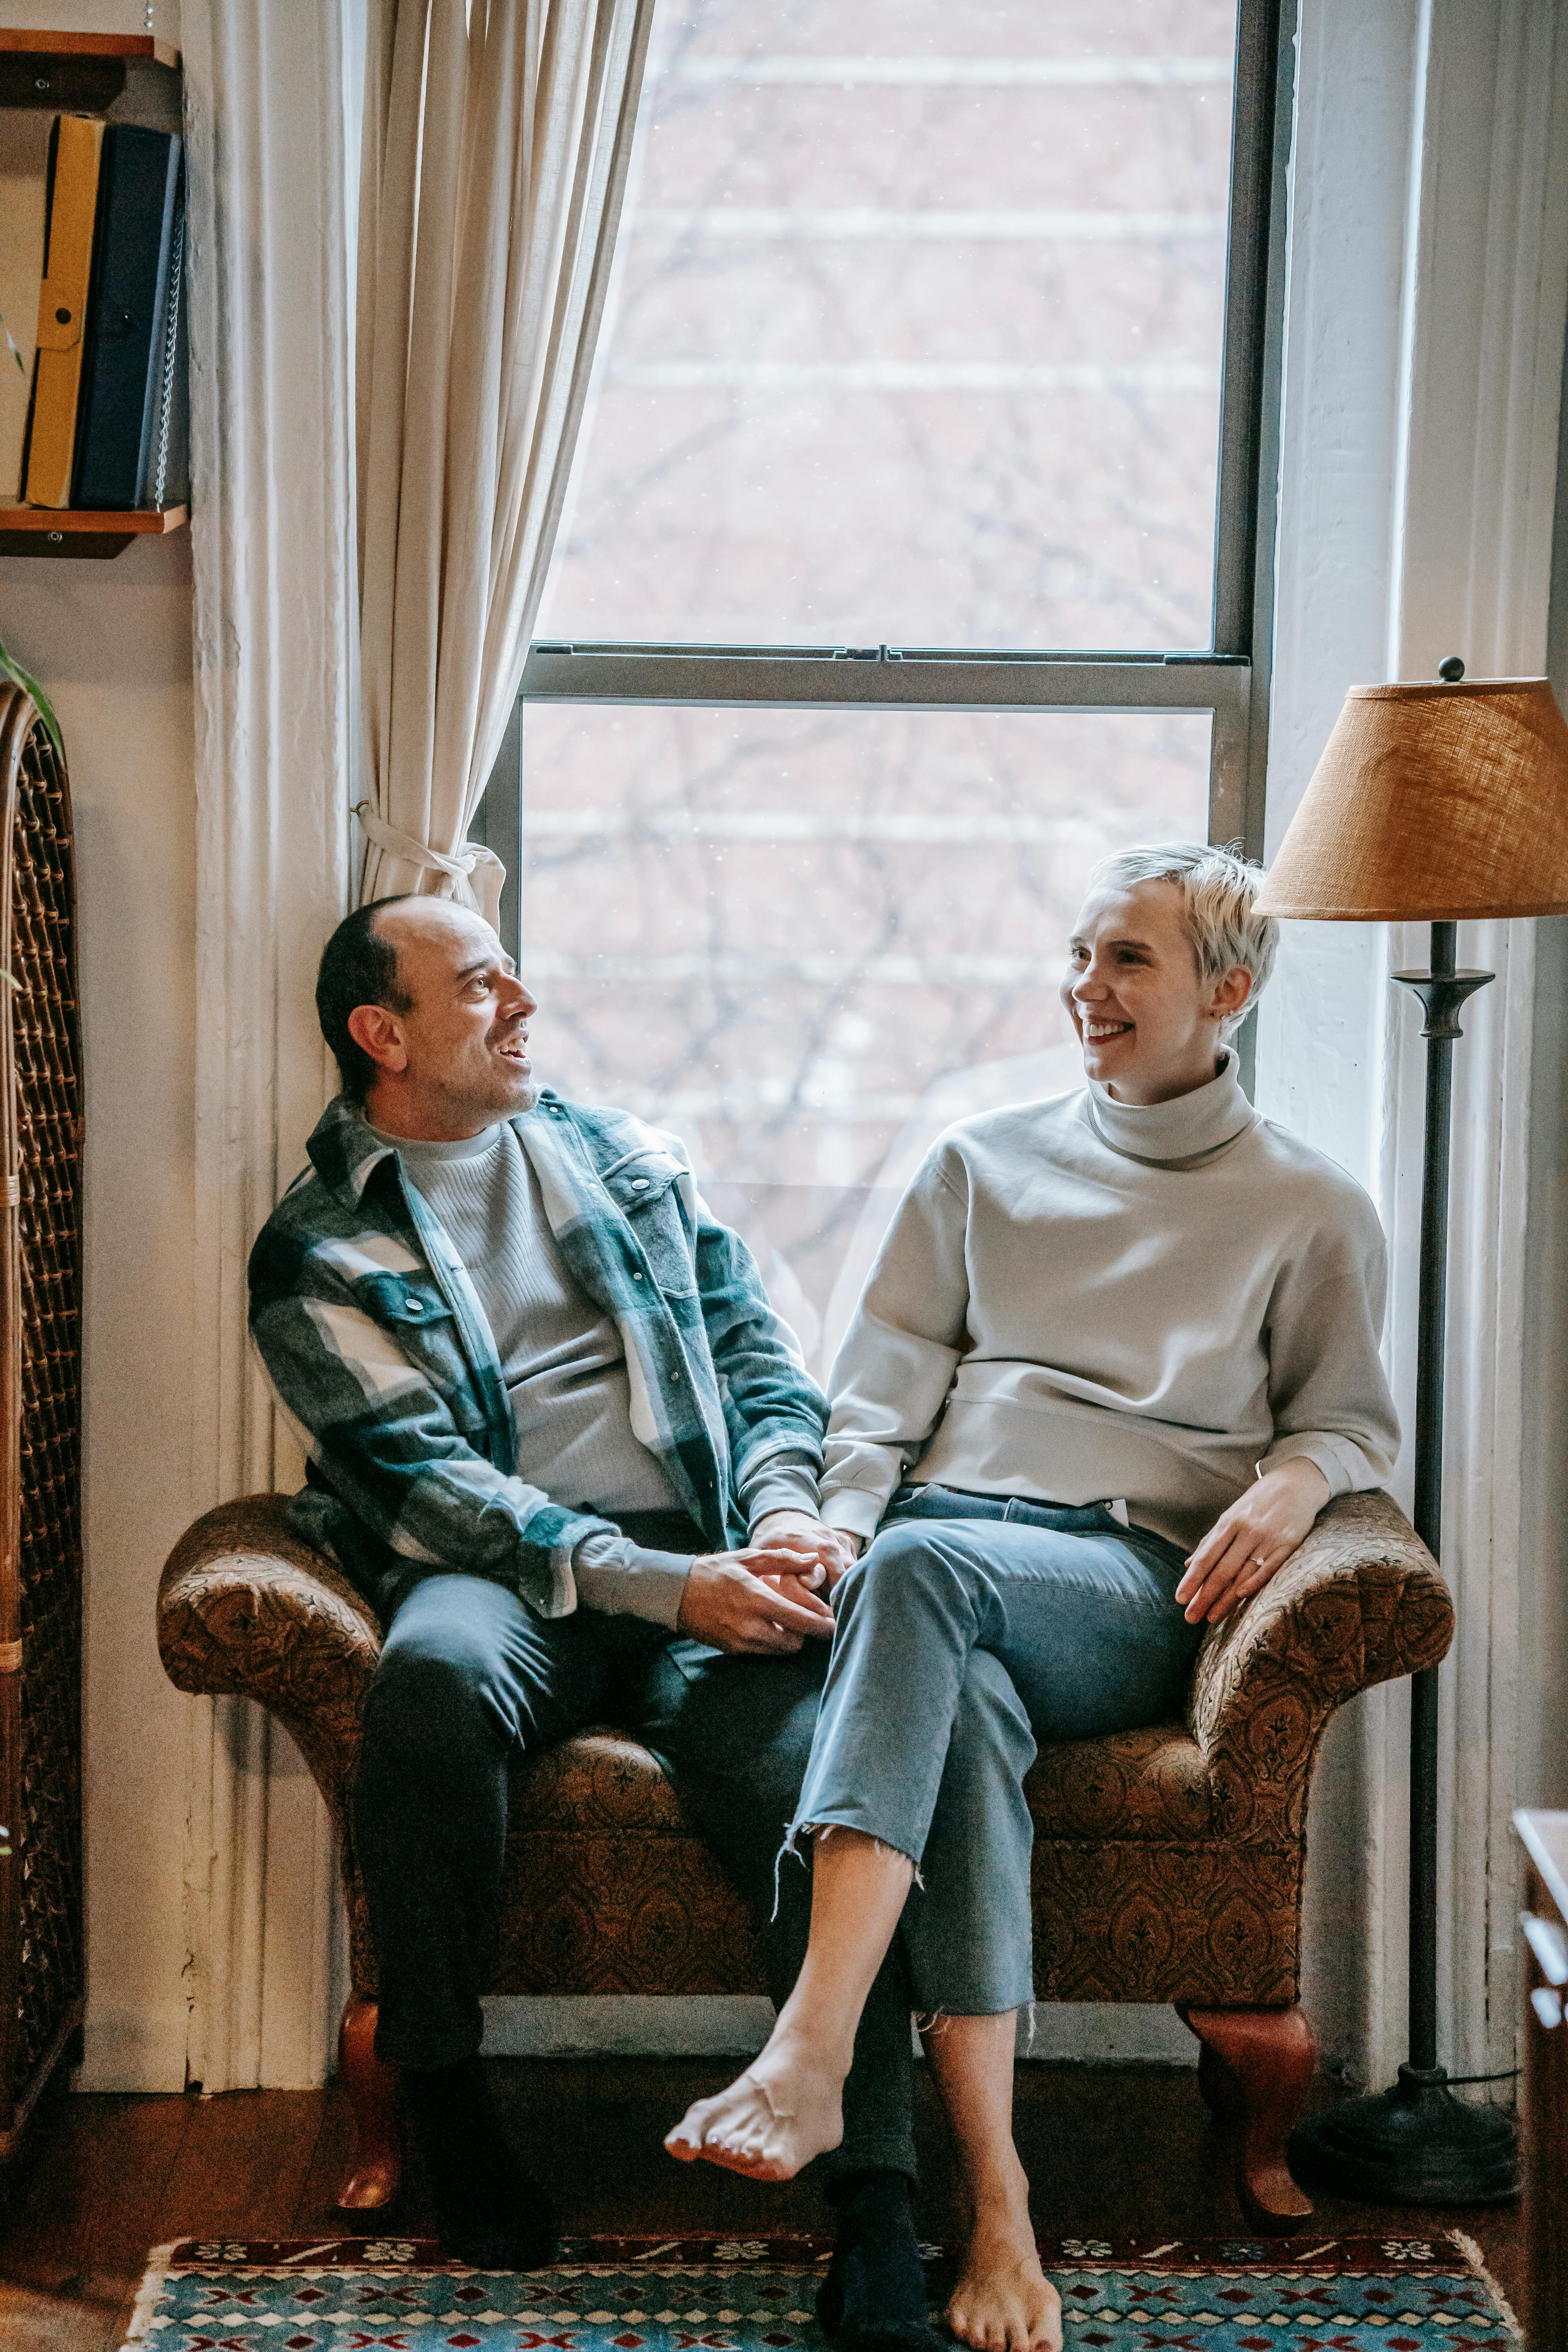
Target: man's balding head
[359,966]
[425,1015]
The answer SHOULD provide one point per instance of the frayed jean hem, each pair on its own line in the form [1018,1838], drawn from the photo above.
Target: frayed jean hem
[817,1827]
[973,2000]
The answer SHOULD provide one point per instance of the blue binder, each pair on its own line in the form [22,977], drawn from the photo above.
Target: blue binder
[131,365]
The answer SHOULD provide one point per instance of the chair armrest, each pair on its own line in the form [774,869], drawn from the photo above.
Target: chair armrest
[1360,1603]
[246,1609]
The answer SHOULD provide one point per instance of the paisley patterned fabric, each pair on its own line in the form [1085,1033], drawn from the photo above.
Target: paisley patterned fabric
[1168,1861]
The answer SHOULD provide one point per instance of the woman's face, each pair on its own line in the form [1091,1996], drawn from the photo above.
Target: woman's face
[1148,1023]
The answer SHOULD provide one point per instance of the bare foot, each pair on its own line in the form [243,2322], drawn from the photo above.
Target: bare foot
[1004,2301]
[784,2109]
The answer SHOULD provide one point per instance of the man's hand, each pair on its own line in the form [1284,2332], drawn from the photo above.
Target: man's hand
[1257,1536]
[824,1552]
[731,1603]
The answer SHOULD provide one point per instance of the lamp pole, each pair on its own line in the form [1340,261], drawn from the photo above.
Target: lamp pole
[1415,2143]
[1443,992]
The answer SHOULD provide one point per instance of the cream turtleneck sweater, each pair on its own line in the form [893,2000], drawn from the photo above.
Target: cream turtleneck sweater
[1086,1300]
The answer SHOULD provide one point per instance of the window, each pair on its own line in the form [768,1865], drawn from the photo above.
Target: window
[925,347]
[912,560]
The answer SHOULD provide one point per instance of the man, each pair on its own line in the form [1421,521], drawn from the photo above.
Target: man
[560,1440]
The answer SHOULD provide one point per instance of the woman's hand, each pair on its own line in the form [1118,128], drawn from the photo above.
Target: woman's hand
[1257,1535]
[817,1555]
[732,1602]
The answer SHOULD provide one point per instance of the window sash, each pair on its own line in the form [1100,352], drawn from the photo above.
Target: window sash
[1230,681]
[923,679]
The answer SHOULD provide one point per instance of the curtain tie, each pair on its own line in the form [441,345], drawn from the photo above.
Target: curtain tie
[462,866]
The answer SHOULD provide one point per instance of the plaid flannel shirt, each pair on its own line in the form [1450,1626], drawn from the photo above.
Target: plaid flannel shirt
[379,1351]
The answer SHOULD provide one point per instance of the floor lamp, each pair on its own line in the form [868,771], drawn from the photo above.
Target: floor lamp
[1435,804]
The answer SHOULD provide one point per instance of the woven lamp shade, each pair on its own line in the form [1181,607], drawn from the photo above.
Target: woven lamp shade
[1433,804]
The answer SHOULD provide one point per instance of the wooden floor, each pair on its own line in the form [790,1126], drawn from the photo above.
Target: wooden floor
[1112,2152]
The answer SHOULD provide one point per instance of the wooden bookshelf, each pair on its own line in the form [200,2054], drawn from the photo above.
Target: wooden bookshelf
[82,530]
[78,73]
[74,73]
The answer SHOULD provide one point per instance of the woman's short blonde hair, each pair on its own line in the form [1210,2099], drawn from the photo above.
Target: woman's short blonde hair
[1218,889]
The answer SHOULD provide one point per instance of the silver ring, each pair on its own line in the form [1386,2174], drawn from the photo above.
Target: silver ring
[1258,1560]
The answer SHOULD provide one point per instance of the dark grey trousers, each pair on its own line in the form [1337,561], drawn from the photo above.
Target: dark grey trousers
[468,1676]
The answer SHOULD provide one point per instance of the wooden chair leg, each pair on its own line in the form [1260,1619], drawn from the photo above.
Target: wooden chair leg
[376,2165]
[1259,2066]
[1218,2086]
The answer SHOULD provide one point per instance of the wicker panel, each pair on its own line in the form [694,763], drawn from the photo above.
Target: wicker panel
[42,1389]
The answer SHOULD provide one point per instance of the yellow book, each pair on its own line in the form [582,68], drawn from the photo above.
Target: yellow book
[75,148]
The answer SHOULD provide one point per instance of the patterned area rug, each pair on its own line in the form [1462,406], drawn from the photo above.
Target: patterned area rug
[739,2294]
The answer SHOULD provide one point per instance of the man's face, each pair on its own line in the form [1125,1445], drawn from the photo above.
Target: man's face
[457,1060]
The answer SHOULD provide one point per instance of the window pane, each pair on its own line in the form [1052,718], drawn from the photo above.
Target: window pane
[809,940]
[917,330]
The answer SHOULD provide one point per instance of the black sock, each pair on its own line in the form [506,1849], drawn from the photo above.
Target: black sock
[488,2211]
[874,2297]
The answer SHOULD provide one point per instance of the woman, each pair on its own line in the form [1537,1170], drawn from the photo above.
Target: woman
[1120,1347]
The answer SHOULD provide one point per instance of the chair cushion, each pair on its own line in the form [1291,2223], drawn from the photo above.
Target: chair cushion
[1152,1783]
[1136,1896]
[1147,1783]
[609,1891]
[601,1782]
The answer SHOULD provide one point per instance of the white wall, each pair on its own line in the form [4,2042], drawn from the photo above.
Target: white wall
[1543,1731]
[1543,1546]
[1319,1043]
[111,643]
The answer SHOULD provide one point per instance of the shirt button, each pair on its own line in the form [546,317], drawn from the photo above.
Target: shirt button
[641,1183]
[414,1306]
[675,1379]
[637,1277]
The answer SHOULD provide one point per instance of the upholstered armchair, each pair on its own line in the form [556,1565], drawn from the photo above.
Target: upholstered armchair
[1168,1861]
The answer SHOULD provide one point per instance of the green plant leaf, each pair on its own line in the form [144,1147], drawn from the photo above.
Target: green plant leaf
[12,668]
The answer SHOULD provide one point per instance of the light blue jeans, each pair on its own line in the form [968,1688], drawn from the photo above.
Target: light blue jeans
[973,1626]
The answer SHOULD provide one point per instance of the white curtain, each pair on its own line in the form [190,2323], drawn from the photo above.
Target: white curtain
[496,143]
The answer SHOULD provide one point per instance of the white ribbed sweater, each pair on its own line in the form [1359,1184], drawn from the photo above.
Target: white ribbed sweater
[564,1364]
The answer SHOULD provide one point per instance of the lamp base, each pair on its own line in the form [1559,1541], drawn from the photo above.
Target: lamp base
[1413,2145]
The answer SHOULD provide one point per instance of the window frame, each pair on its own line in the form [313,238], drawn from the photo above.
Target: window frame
[1230,680]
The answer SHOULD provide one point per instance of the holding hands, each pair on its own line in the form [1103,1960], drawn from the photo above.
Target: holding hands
[1255,1537]
[798,1534]
[767,1599]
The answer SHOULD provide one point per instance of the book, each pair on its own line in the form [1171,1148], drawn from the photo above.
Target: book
[130,359]
[70,216]
[169,478]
